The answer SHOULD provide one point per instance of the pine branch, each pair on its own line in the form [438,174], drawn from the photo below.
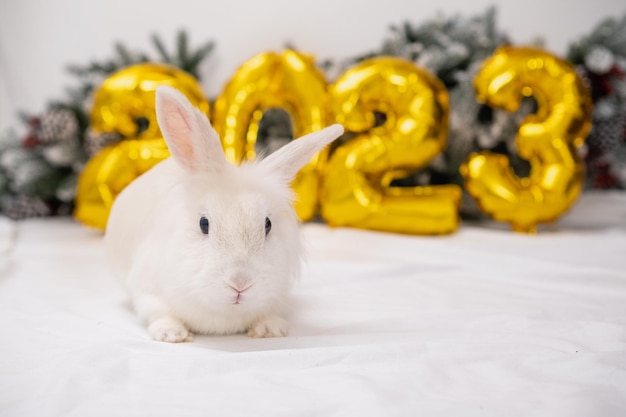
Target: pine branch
[124,54]
[194,60]
[183,53]
[160,47]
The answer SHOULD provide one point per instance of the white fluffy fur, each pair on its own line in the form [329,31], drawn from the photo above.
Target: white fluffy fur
[234,279]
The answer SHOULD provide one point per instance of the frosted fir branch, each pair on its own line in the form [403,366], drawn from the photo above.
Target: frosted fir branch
[609,33]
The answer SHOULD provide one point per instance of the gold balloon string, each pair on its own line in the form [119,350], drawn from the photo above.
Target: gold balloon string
[355,186]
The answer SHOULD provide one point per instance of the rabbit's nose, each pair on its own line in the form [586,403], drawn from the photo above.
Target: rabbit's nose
[240,283]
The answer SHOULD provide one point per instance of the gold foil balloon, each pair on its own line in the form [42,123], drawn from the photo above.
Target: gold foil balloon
[547,139]
[270,80]
[357,190]
[109,172]
[125,101]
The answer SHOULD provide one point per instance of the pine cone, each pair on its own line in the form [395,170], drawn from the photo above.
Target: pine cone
[619,165]
[606,136]
[95,141]
[22,207]
[57,126]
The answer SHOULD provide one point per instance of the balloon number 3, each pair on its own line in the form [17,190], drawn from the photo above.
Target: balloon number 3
[547,139]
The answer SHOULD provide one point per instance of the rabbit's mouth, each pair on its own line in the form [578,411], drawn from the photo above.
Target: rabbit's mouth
[239,291]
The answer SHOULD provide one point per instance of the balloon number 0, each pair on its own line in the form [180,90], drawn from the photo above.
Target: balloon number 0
[547,139]
[290,81]
[355,186]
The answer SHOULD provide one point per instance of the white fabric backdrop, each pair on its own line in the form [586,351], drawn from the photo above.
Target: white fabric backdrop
[39,38]
[484,322]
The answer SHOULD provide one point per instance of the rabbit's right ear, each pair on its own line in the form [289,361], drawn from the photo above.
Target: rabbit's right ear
[191,139]
[289,159]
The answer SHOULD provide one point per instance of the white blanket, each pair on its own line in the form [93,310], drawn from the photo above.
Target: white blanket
[484,322]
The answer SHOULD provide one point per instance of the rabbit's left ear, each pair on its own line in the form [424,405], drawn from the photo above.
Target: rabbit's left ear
[289,159]
[191,139]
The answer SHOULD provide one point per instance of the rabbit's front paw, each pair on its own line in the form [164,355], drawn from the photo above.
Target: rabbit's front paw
[169,330]
[269,327]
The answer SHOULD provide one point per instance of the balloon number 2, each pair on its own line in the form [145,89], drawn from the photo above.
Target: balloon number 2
[357,188]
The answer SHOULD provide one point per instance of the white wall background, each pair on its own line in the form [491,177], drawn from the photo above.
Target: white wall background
[39,38]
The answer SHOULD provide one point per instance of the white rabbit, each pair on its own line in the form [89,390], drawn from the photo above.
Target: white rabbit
[203,245]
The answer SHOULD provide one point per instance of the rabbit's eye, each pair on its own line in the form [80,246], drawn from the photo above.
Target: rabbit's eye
[204,225]
[268,225]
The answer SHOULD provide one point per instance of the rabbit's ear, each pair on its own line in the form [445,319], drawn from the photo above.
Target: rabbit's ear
[289,159]
[191,139]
